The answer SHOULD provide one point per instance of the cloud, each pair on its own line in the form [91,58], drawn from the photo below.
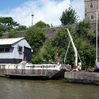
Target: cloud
[78,5]
[48,11]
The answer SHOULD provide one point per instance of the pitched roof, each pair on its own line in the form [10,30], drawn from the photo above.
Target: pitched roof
[10,41]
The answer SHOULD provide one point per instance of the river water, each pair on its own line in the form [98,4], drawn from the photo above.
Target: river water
[48,89]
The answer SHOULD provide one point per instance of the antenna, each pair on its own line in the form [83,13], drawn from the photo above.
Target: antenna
[32,18]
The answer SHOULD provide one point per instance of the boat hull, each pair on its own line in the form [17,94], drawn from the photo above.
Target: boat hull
[35,74]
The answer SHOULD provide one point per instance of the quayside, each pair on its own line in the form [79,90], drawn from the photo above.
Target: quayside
[76,75]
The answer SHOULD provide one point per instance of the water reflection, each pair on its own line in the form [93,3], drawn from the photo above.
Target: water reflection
[51,89]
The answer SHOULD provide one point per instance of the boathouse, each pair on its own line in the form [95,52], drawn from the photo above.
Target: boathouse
[14,50]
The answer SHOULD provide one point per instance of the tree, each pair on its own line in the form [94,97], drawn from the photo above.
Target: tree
[68,16]
[2,28]
[1,34]
[13,34]
[19,28]
[88,56]
[35,36]
[49,53]
[8,22]
[83,44]
[84,30]
[61,41]
[41,24]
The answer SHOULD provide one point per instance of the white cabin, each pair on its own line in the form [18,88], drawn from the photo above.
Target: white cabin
[14,50]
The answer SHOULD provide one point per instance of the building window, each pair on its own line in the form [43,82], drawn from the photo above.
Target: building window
[1,50]
[85,14]
[7,49]
[91,5]
[92,17]
[20,49]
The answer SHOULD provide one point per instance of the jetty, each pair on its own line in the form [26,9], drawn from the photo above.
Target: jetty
[82,77]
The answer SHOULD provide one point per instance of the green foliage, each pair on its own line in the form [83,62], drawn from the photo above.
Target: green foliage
[7,24]
[83,37]
[41,24]
[1,34]
[54,50]
[49,53]
[37,59]
[68,17]
[8,21]
[13,34]
[47,56]
[21,28]
[88,56]
[61,39]
[35,36]
[2,28]
[83,29]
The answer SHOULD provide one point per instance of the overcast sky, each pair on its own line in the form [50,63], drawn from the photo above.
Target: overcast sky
[48,11]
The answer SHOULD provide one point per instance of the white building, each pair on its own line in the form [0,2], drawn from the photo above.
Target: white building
[14,50]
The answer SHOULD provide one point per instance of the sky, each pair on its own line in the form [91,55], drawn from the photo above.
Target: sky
[48,11]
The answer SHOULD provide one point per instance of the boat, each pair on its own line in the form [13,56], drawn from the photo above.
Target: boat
[34,71]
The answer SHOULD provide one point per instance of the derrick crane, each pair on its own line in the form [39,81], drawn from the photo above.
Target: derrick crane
[77,65]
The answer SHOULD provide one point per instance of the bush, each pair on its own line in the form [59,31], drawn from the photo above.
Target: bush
[49,53]
[88,56]
[36,37]
[37,59]
[1,34]
[19,28]
[85,32]
[13,34]
[41,24]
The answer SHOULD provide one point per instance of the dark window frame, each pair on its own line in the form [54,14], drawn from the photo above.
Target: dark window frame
[4,50]
[20,49]
[92,17]
[7,50]
[91,5]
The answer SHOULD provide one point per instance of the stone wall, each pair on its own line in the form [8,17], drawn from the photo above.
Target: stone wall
[90,9]
[82,77]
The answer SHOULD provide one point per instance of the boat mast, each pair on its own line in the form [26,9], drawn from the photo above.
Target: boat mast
[96,35]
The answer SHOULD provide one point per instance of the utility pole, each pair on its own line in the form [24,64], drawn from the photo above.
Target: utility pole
[32,18]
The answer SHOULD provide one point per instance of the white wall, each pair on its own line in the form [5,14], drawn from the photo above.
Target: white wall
[15,54]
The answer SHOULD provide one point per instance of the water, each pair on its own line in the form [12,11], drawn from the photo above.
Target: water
[50,89]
